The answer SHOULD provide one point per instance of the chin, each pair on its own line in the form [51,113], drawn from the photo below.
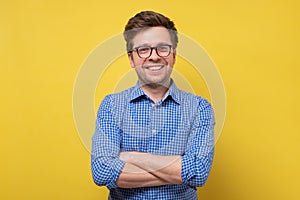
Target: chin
[158,83]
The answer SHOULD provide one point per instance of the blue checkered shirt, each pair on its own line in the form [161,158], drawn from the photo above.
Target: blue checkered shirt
[180,124]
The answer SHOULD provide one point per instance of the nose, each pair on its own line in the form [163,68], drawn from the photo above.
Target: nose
[154,55]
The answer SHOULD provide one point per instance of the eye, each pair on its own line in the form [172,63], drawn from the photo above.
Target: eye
[163,48]
[143,49]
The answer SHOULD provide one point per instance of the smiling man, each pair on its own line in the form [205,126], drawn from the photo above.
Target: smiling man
[152,141]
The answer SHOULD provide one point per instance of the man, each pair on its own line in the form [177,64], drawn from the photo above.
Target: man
[152,141]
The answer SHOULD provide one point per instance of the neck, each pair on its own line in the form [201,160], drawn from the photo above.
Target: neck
[156,91]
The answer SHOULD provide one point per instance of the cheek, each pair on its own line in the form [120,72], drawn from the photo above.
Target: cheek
[136,61]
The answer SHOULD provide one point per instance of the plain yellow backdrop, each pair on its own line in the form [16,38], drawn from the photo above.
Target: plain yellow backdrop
[255,45]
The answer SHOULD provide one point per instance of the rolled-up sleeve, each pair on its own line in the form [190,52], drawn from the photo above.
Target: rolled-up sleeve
[105,163]
[198,157]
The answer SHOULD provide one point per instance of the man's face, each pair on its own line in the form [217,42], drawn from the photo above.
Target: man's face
[154,70]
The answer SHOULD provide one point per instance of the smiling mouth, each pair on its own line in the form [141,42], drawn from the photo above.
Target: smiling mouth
[154,67]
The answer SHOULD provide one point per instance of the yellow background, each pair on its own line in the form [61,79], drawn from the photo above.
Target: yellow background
[255,45]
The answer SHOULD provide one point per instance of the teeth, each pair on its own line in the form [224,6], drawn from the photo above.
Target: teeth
[155,68]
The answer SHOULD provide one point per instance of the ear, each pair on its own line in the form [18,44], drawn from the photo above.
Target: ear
[130,58]
[174,56]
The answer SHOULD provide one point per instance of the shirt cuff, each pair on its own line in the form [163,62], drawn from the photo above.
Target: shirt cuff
[187,168]
[117,168]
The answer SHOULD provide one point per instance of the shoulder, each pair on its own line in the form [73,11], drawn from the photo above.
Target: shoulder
[125,94]
[115,100]
[189,99]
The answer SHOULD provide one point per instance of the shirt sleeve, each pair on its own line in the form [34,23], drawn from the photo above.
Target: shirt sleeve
[198,157]
[105,163]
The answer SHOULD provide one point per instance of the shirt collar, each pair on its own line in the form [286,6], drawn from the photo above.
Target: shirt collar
[136,92]
[173,92]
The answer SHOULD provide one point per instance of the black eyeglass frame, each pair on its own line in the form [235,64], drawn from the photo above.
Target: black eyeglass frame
[151,49]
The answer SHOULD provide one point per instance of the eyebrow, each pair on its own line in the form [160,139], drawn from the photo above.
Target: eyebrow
[148,45]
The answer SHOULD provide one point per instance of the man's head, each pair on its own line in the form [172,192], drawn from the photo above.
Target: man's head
[151,41]
[147,19]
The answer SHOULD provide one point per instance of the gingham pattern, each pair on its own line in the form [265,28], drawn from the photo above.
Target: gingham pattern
[180,124]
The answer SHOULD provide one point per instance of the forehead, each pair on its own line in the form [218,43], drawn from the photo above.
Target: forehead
[152,36]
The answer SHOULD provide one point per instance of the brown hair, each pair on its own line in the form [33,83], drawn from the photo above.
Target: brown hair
[146,19]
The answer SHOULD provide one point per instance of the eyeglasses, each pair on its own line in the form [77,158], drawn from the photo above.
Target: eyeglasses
[146,52]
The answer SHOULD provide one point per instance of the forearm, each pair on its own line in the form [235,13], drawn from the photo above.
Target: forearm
[133,177]
[167,168]
[196,170]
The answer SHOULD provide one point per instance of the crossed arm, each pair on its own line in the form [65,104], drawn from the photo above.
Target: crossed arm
[145,169]
[113,168]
